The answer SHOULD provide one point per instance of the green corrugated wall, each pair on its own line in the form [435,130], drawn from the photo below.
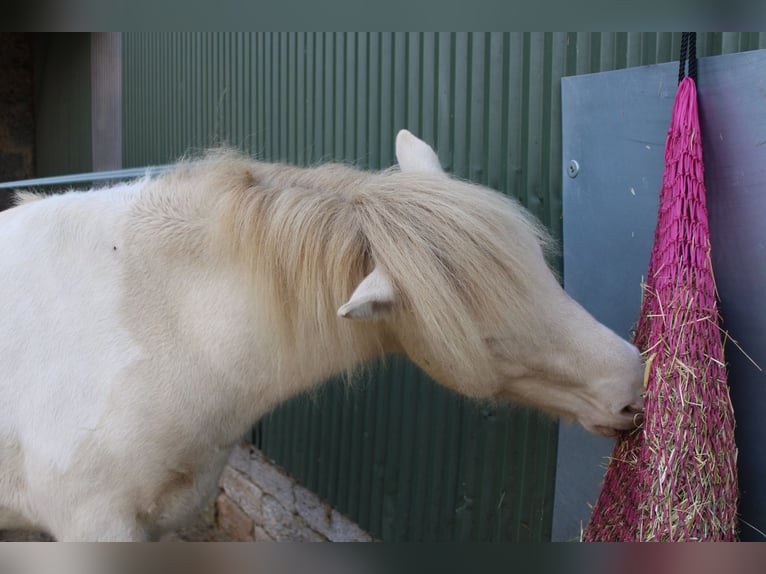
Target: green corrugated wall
[401,456]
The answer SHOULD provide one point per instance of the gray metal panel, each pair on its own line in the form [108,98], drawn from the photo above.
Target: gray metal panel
[733,117]
[614,126]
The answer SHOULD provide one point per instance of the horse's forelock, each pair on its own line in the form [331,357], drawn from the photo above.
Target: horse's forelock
[459,255]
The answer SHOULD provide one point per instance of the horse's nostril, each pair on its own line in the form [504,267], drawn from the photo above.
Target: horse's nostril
[633,409]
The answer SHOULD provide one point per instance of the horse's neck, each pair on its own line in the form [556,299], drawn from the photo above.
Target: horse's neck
[265,351]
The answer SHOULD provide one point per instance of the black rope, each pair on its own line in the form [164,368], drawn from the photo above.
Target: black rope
[687,64]
[693,56]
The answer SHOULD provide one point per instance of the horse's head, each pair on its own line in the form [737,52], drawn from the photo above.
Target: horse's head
[467,294]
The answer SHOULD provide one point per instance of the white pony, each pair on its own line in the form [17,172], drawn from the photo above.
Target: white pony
[144,328]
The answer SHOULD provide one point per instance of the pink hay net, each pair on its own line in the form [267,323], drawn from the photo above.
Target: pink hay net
[675,477]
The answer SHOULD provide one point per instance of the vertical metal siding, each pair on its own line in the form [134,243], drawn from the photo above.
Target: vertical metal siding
[405,458]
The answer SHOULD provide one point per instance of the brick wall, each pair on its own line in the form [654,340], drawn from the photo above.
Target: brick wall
[260,501]
[257,501]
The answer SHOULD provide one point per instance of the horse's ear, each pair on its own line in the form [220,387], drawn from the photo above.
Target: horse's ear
[415,155]
[373,298]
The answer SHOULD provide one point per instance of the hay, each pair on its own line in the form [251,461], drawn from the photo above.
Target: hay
[675,478]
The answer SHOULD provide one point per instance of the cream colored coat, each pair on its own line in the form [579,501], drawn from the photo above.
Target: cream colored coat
[145,327]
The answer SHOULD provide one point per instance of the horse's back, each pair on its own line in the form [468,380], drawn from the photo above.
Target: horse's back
[61,339]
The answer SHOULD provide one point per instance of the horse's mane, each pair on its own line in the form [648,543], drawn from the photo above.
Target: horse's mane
[309,236]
